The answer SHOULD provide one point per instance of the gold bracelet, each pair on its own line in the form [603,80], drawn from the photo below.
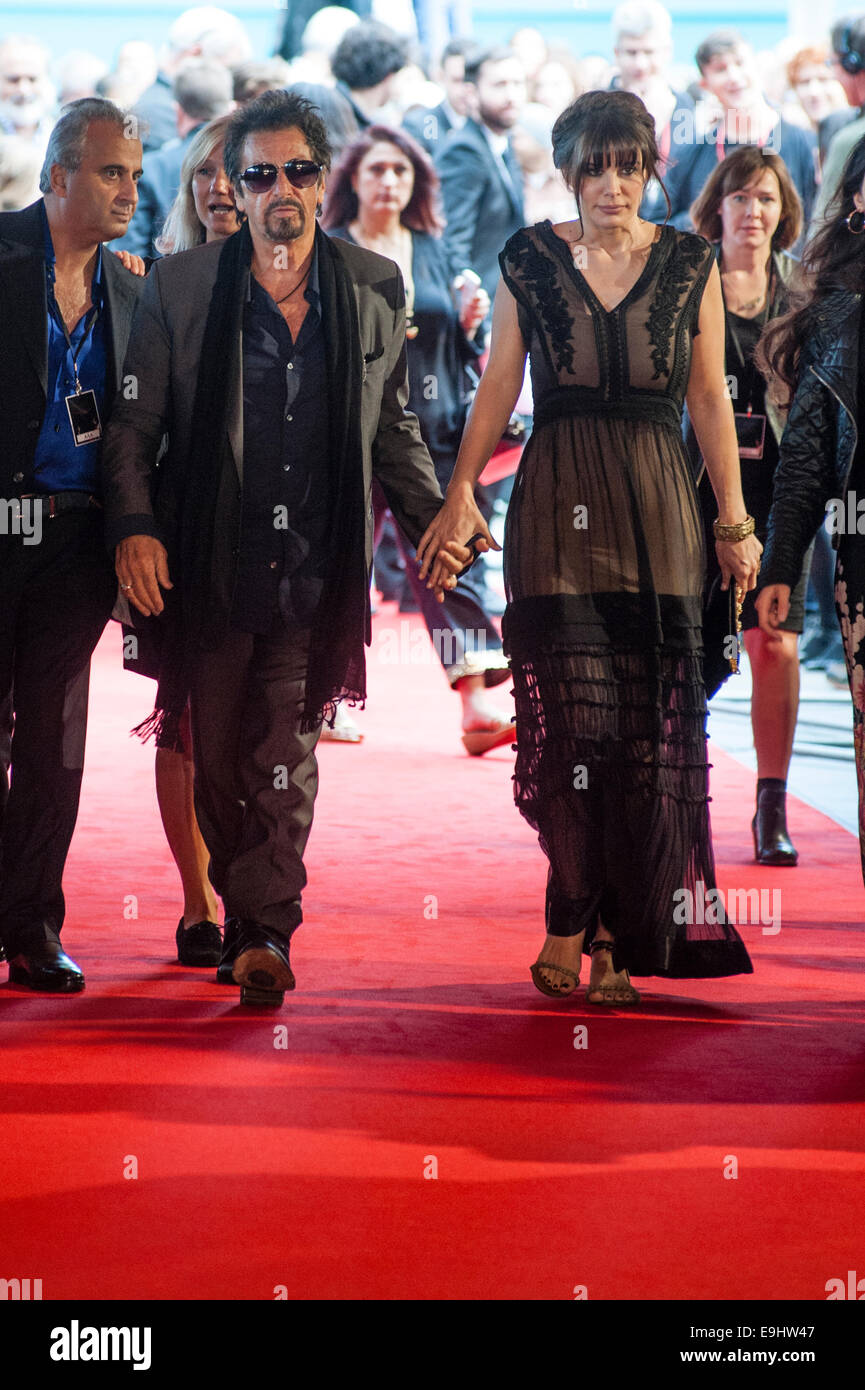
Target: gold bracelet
[736,532]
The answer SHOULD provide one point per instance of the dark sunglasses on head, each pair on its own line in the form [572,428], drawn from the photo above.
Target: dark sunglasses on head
[301,173]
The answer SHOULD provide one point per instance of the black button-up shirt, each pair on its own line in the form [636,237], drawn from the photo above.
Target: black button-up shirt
[286,487]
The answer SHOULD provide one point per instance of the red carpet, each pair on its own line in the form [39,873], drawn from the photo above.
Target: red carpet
[416,1041]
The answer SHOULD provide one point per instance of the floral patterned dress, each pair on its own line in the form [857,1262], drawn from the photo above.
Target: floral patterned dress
[604,570]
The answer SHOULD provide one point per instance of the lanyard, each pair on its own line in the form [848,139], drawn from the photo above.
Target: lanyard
[665,141]
[770,295]
[75,352]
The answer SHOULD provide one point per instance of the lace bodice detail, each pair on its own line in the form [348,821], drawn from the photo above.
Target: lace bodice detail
[643,345]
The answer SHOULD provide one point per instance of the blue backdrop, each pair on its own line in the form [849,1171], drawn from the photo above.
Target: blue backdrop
[102,25]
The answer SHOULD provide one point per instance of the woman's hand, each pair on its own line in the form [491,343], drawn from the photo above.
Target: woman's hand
[773,605]
[456,523]
[132,262]
[739,560]
[474,302]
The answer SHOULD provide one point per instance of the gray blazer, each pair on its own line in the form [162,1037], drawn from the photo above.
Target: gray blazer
[157,399]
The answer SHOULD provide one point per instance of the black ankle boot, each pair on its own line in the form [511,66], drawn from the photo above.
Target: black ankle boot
[772,843]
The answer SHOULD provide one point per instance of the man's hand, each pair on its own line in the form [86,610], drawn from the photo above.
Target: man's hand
[141,565]
[132,262]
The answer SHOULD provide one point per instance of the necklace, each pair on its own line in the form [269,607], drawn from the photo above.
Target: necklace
[748,304]
[295,287]
[294,291]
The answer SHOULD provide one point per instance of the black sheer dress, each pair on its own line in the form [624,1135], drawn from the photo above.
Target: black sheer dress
[604,569]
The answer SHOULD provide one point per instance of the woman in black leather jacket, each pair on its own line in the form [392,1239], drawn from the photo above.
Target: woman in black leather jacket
[817,352]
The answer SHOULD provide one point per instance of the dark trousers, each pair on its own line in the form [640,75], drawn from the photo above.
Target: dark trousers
[57,597]
[256,775]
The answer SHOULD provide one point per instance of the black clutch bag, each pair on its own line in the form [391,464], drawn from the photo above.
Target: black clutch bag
[722,623]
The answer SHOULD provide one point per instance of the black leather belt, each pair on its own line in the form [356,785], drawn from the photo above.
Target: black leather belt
[56,502]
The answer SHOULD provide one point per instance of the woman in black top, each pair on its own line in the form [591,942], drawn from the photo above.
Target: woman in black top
[383,195]
[817,353]
[750,209]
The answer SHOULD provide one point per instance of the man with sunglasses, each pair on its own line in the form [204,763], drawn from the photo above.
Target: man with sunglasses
[275,363]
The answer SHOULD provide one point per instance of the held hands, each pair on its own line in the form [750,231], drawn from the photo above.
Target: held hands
[141,565]
[452,559]
[458,520]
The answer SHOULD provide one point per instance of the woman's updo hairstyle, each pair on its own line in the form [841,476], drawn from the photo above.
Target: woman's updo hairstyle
[602,128]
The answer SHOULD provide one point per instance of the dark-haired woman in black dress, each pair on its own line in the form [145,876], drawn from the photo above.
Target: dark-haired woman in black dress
[604,560]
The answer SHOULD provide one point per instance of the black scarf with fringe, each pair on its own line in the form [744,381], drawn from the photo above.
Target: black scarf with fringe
[197,615]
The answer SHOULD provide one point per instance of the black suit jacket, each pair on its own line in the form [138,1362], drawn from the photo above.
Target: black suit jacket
[483,208]
[24,340]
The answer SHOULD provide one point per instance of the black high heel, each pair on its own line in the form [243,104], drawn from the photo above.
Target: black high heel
[772,843]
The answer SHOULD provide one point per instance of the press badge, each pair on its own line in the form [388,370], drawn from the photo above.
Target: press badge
[750,435]
[84,417]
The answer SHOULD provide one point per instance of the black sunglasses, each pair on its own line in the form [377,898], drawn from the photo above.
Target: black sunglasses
[301,173]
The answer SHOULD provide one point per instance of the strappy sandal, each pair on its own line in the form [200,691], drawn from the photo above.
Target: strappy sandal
[632,996]
[544,986]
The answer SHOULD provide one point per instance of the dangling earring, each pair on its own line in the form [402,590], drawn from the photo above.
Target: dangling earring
[318,208]
[848,222]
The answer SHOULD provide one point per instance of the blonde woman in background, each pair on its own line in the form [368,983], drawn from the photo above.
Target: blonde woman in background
[204,208]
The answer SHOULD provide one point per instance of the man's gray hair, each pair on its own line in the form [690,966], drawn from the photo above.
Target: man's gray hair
[69,136]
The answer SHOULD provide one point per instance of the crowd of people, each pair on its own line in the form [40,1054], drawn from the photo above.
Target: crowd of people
[653,275]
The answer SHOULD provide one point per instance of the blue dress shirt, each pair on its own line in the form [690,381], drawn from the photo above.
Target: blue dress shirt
[61,465]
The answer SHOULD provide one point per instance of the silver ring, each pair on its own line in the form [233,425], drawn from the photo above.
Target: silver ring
[126,586]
